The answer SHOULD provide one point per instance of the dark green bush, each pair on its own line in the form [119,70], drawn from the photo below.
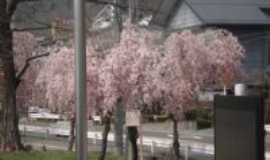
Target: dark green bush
[160,118]
[203,117]
[203,123]
[155,118]
[203,113]
[190,115]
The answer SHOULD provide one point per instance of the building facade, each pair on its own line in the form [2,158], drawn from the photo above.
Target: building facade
[249,20]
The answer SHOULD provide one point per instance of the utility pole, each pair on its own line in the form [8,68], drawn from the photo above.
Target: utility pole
[119,120]
[80,81]
[132,10]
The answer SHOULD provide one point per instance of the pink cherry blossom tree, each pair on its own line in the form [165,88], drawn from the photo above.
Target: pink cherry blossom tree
[24,46]
[138,71]
[57,75]
[182,73]
[28,61]
[225,56]
[128,69]
[191,63]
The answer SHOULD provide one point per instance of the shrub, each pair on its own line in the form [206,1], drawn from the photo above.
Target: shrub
[203,123]
[203,117]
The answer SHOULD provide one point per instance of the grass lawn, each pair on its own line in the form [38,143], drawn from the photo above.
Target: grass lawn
[49,155]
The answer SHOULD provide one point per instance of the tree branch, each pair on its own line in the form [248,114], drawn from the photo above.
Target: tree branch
[26,66]
[41,28]
[122,6]
[30,29]
[108,3]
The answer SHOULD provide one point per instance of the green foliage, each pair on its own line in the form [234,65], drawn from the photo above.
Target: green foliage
[198,113]
[203,113]
[191,115]
[160,118]
[155,118]
[203,117]
[204,123]
[49,155]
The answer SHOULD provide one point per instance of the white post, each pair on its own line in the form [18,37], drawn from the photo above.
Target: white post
[141,141]
[95,138]
[153,148]
[187,148]
[24,130]
[47,133]
[224,90]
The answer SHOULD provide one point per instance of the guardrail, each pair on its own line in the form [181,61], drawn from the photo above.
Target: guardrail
[153,144]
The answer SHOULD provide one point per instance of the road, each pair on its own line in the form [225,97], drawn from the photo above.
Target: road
[38,140]
[157,139]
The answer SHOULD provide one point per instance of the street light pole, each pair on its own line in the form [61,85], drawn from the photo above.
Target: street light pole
[80,81]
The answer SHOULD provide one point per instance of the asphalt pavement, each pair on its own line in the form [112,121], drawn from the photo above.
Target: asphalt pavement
[157,137]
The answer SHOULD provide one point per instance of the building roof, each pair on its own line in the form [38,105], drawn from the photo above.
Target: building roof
[232,12]
[163,10]
[221,12]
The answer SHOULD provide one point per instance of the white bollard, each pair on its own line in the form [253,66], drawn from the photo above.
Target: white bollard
[95,138]
[47,133]
[24,130]
[153,144]
[187,150]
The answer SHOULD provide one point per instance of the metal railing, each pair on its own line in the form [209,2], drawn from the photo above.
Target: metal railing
[152,146]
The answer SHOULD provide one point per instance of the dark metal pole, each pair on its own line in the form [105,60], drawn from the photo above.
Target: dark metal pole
[80,72]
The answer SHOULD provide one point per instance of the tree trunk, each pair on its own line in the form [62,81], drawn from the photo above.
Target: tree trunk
[107,128]
[71,133]
[119,122]
[176,144]
[9,133]
[132,136]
